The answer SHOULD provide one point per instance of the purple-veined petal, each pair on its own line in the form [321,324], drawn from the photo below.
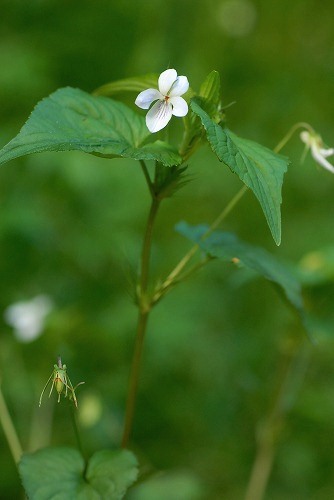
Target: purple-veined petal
[179,87]
[180,107]
[319,158]
[145,98]
[158,116]
[166,80]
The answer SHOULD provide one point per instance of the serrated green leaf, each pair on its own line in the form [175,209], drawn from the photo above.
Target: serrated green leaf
[258,167]
[58,473]
[132,84]
[72,120]
[226,246]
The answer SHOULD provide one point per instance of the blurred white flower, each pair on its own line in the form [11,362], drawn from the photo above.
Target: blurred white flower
[168,97]
[314,142]
[27,318]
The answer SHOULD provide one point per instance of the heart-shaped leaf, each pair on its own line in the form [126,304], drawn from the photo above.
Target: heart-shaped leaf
[61,474]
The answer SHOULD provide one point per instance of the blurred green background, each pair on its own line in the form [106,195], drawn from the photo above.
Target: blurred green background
[71,228]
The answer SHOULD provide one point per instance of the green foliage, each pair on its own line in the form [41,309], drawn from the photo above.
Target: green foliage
[72,120]
[227,247]
[70,227]
[209,97]
[60,473]
[168,180]
[258,167]
[210,94]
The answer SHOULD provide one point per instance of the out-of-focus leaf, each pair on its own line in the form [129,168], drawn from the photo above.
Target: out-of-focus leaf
[167,486]
[227,247]
[317,267]
[133,84]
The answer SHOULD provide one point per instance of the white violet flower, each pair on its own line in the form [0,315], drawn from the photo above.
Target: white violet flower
[168,97]
[319,153]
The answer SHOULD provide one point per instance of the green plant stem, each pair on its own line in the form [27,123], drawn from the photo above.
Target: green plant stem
[290,133]
[134,377]
[77,433]
[145,256]
[145,302]
[9,430]
[144,306]
[174,276]
[291,380]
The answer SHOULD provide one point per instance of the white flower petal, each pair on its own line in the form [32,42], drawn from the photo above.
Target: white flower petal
[145,98]
[326,152]
[158,116]
[305,137]
[319,158]
[166,80]
[180,86]
[180,107]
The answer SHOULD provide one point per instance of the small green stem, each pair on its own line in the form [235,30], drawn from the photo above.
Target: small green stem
[290,133]
[144,305]
[229,207]
[9,430]
[167,286]
[175,273]
[77,433]
[146,252]
[147,177]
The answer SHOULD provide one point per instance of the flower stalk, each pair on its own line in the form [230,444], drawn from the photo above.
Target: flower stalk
[9,430]
[144,308]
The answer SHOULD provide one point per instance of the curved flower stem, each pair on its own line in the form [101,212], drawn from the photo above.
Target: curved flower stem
[290,133]
[144,305]
[9,430]
[77,435]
